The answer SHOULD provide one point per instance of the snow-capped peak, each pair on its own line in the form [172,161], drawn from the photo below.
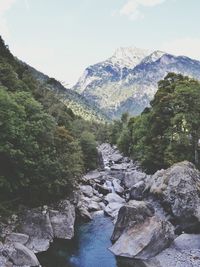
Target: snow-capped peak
[128,56]
[153,57]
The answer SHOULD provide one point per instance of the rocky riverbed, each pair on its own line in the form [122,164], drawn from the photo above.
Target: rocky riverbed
[156,218]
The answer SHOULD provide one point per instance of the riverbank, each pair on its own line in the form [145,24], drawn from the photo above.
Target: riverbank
[155,219]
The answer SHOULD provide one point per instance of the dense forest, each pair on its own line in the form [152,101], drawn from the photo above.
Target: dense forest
[168,131]
[44,146]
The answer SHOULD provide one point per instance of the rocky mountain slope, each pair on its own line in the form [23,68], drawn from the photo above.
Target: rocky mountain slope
[127,81]
[73,100]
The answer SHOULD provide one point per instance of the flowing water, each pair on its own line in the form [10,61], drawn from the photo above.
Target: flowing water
[89,248]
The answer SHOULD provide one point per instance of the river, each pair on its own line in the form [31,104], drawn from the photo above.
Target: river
[89,248]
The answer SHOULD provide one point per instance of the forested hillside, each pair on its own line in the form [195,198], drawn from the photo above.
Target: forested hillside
[44,146]
[168,131]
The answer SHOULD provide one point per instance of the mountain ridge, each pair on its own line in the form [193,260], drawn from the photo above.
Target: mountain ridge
[115,87]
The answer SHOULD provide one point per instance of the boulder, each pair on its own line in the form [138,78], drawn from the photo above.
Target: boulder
[96,199]
[113,197]
[133,177]
[22,256]
[63,220]
[37,225]
[4,262]
[17,238]
[92,175]
[117,187]
[183,252]
[131,214]
[118,167]
[112,209]
[178,189]
[138,233]
[137,191]
[103,189]
[118,173]
[116,157]
[108,184]
[102,205]
[144,241]
[87,190]
[84,213]
[94,206]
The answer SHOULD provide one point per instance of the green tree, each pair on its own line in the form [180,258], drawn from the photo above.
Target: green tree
[88,145]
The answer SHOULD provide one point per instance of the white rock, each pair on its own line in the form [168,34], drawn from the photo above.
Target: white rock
[112,197]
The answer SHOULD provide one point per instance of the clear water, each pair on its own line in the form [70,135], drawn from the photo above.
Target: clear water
[89,248]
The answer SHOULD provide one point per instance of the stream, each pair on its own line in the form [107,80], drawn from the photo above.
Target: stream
[89,248]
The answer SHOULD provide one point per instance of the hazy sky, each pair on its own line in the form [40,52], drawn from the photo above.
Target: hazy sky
[62,37]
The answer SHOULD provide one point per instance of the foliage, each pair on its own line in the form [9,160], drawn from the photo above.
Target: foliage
[88,145]
[169,130]
[44,146]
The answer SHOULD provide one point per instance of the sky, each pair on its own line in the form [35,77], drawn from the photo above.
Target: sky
[63,37]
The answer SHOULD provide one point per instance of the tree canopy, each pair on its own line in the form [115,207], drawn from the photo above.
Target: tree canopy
[169,130]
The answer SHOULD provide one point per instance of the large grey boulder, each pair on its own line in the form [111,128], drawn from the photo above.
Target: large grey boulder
[116,157]
[112,209]
[102,189]
[117,187]
[22,256]
[92,175]
[94,206]
[131,214]
[36,224]
[137,191]
[87,190]
[138,234]
[63,220]
[17,238]
[84,213]
[113,197]
[178,188]
[133,177]
[119,167]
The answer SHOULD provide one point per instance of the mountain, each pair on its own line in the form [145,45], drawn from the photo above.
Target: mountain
[127,81]
[73,100]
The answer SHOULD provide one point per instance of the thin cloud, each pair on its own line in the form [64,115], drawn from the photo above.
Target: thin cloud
[132,8]
[183,46]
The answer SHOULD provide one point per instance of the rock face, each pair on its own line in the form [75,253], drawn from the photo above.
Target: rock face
[178,188]
[41,225]
[139,234]
[37,225]
[63,220]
